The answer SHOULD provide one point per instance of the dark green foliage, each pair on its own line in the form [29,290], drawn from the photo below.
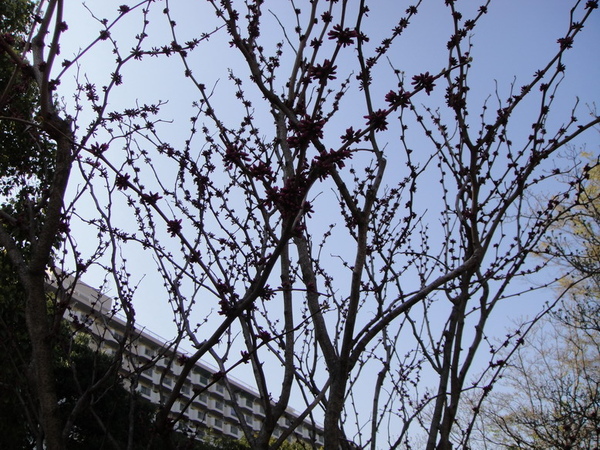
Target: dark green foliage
[211,444]
[26,155]
[120,412]
[15,398]
[14,15]
[78,369]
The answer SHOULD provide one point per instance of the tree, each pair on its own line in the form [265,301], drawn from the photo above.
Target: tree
[550,393]
[38,151]
[396,283]
[77,368]
[25,166]
[15,426]
[574,245]
[106,422]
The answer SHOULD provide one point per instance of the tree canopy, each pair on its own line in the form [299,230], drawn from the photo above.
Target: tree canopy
[26,156]
[548,397]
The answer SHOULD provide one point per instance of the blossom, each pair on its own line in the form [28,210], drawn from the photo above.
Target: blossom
[122,181]
[377,120]
[565,43]
[263,335]
[424,81]
[151,198]
[98,149]
[306,130]
[173,227]
[344,36]
[325,163]
[261,171]
[289,199]
[351,135]
[234,155]
[401,98]
[323,72]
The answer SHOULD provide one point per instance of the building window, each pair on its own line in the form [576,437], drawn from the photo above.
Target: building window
[147,374]
[203,398]
[84,318]
[201,415]
[220,388]
[203,379]
[234,430]
[148,351]
[145,390]
[249,420]
[219,405]
[249,402]
[168,381]
[185,389]
[218,423]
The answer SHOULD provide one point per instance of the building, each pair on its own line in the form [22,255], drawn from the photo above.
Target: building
[208,405]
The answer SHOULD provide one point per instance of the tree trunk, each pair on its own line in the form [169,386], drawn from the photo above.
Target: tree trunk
[334,438]
[43,365]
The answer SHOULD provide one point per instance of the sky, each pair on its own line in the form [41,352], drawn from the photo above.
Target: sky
[510,44]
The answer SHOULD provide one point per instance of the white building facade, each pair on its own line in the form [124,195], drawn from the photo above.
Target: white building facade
[209,404]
